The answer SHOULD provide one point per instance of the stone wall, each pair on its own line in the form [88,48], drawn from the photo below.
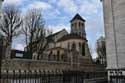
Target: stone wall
[19,64]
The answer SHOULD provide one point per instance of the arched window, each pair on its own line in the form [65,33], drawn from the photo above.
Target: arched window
[82,24]
[83,49]
[79,24]
[62,57]
[58,52]
[54,57]
[75,25]
[80,48]
[49,57]
[73,46]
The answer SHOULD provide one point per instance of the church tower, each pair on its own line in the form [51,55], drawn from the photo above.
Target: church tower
[78,25]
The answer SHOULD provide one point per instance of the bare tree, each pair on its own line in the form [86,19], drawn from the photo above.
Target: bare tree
[33,28]
[10,23]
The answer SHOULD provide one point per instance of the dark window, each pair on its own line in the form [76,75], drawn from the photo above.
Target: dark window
[83,49]
[79,24]
[80,46]
[49,57]
[75,25]
[82,24]
[62,57]
[58,52]
[73,46]
[54,57]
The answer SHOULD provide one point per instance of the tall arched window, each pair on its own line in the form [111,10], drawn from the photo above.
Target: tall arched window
[62,57]
[58,52]
[49,57]
[80,48]
[75,25]
[54,57]
[79,24]
[73,46]
[83,49]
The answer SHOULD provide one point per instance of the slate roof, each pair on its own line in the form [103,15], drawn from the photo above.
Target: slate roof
[52,35]
[71,36]
[77,16]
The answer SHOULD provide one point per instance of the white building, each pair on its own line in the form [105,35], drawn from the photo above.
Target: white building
[114,19]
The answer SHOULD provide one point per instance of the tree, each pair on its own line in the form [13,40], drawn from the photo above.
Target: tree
[34,31]
[10,23]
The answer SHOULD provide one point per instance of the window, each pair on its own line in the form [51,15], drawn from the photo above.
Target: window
[62,57]
[82,24]
[49,57]
[75,25]
[83,49]
[54,57]
[73,46]
[80,46]
[58,52]
[79,24]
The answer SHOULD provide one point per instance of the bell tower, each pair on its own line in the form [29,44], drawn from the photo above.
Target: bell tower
[78,25]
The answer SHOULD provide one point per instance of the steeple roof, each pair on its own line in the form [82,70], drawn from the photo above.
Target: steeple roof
[77,16]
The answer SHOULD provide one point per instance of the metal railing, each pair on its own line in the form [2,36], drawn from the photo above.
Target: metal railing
[43,76]
[117,79]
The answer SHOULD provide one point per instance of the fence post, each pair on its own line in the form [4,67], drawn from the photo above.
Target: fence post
[13,76]
[35,76]
[7,76]
[19,72]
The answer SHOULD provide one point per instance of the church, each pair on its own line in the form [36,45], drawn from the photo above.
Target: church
[67,47]
[66,59]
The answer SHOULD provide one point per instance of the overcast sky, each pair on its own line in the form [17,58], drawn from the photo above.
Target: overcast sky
[58,13]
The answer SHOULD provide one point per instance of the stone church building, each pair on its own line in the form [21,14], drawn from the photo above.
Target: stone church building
[64,46]
[66,60]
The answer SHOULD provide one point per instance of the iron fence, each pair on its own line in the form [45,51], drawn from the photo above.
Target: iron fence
[117,79]
[43,76]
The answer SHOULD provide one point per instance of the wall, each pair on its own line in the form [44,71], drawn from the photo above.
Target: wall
[21,64]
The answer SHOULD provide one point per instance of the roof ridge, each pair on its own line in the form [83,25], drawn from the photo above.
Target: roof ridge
[77,16]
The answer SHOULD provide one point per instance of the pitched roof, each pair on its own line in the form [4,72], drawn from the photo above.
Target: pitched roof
[71,36]
[77,16]
[56,33]
[50,37]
